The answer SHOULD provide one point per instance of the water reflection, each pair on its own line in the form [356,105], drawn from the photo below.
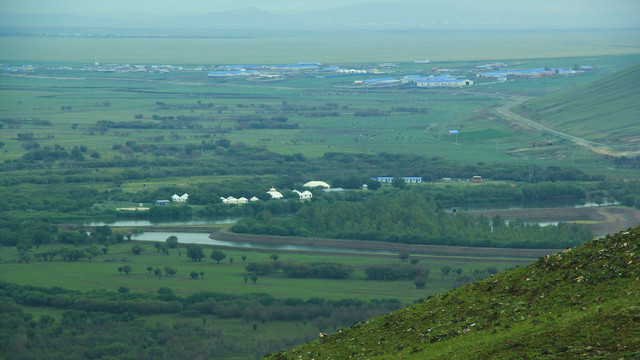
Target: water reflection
[203,239]
[163,222]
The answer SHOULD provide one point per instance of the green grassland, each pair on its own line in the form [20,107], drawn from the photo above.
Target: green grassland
[228,336]
[306,101]
[581,303]
[102,273]
[605,111]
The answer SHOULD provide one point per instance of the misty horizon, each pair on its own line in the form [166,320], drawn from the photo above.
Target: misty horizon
[353,14]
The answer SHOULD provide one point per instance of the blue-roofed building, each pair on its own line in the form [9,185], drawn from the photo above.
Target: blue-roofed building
[231,73]
[407,179]
[527,73]
[295,67]
[378,82]
[239,67]
[443,81]
[162,203]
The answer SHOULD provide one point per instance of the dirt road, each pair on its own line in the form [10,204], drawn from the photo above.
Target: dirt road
[505,111]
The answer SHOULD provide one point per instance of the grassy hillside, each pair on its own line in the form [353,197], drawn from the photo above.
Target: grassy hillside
[605,110]
[581,303]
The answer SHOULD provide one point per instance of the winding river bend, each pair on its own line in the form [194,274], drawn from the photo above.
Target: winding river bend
[603,220]
[352,247]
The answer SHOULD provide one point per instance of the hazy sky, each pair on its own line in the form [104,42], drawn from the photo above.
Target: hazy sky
[128,8]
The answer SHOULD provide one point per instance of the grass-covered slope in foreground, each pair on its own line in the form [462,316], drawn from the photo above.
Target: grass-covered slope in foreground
[581,303]
[605,110]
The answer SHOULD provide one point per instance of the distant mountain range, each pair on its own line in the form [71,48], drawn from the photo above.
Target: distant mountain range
[398,15]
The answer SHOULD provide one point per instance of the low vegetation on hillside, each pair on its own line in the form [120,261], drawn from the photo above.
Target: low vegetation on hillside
[580,303]
[604,110]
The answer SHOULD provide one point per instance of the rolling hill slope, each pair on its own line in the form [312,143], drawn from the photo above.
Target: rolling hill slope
[581,303]
[605,111]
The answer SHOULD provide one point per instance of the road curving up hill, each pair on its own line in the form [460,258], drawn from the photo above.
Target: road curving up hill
[579,303]
[601,115]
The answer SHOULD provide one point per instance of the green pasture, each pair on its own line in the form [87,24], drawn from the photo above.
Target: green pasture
[605,111]
[226,277]
[482,136]
[73,102]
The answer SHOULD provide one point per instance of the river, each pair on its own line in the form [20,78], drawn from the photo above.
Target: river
[133,223]
[203,239]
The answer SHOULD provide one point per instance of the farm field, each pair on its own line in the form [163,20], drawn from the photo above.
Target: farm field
[102,272]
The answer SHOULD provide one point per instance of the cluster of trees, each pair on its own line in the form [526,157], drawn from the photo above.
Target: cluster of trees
[66,198]
[54,187]
[623,161]
[112,322]
[261,122]
[519,193]
[625,192]
[264,307]
[403,217]
[321,270]
[94,335]
[394,272]
[242,159]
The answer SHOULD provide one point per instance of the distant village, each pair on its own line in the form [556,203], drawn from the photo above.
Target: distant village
[437,78]
[306,194]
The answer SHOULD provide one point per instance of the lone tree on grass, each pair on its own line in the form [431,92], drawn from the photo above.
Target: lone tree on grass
[194,274]
[158,272]
[127,269]
[170,270]
[244,257]
[420,282]
[274,257]
[172,242]
[195,252]
[201,274]
[445,270]
[254,278]
[217,255]
[41,237]
[149,269]
[403,255]
[137,249]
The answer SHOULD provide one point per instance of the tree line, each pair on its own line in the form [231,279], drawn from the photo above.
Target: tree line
[407,217]
[83,331]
